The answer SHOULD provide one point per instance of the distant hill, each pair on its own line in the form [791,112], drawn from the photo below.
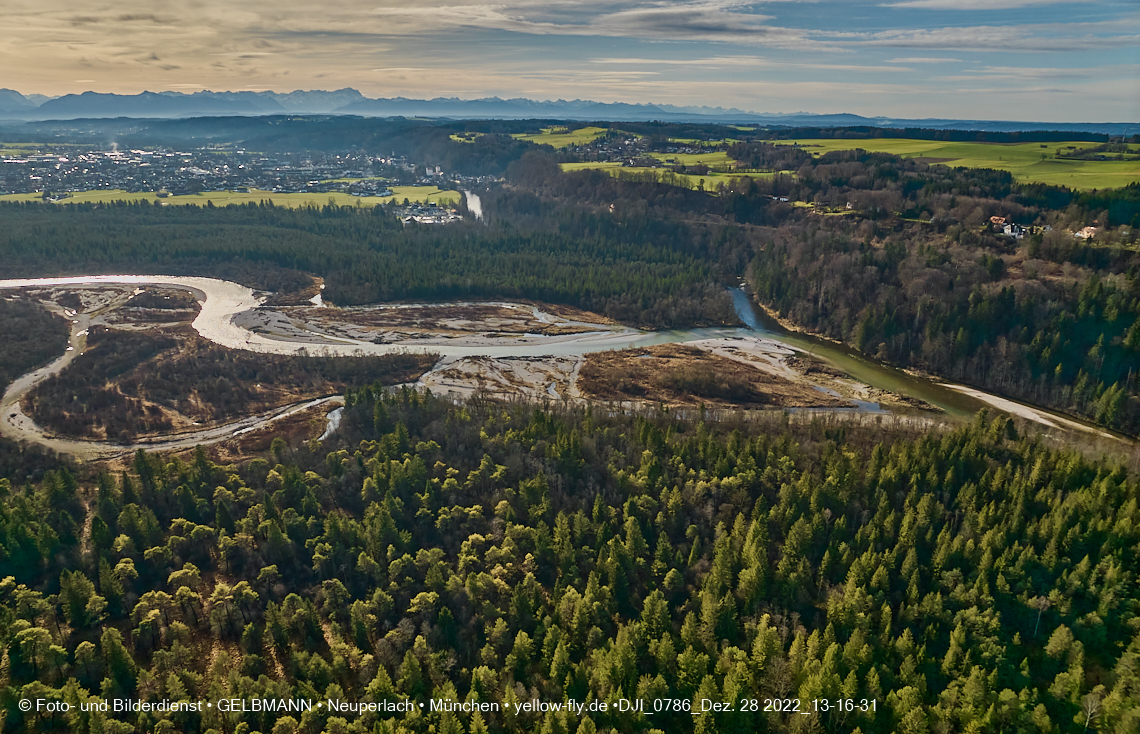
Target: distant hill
[521,108]
[348,101]
[318,102]
[172,104]
[150,104]
[12,101]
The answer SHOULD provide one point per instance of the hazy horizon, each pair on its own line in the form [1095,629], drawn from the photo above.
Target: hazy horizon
[1038,60]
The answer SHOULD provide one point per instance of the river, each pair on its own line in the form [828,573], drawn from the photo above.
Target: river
[222,301]
[18,426]
[858,366]
[474,205]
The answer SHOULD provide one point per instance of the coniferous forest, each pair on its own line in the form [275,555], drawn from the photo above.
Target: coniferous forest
[657,277]
[973,580]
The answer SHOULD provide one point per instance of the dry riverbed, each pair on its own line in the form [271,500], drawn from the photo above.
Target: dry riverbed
[469,323]
[504,349]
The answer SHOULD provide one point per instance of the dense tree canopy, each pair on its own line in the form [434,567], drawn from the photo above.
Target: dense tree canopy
[648,276]
[968,580]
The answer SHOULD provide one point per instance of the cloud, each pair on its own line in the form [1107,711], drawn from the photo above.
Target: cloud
[727,21]
[719,52]
[757,62]
[709,61]
[718,21]
[971,5]
[922,60]
[1037,73]
[144,18]
[992,38]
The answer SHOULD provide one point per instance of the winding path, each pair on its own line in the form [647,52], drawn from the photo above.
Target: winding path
[18,426]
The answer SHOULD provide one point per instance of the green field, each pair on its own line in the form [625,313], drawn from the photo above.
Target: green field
[18,150]
[588,165]
[716,158]
[420,193]
[696,142]
[224,198]
[711,179]
[559,137]
[466,137]
[353,180]
[1024,160]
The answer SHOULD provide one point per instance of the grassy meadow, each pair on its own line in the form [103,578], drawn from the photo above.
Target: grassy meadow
[715,158]
[225,198]
[19,150]
[353,180]
[589,165]
[16,150]
[1028,162]
[711,179]
[561,137]
[695,142]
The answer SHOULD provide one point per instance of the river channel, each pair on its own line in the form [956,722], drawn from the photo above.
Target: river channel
[858,366]
[474,204]
[224,301]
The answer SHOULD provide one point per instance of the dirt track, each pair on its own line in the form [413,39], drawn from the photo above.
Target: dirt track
[102,307]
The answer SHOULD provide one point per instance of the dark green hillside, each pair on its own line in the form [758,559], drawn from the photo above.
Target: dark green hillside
[656,275]
[966,581]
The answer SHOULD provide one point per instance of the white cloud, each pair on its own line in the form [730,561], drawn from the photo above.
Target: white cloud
[708,61]
[1039,73]
[971,5]
[993,38]
[718,52]
[757,62]
[922,60]
[729,21]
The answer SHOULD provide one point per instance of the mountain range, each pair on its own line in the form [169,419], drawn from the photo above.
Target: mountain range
[151,105]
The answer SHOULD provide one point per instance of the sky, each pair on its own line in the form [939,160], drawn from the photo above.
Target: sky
[1032,60]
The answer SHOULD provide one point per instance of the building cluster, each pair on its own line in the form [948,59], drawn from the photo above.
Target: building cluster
[428,213]
[174,173]
[629,151]
[182,172]
[1002,225]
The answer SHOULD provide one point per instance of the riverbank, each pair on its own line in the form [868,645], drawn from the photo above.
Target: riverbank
[522,350]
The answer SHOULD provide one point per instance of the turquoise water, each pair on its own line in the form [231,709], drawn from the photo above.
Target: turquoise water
[857,365]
